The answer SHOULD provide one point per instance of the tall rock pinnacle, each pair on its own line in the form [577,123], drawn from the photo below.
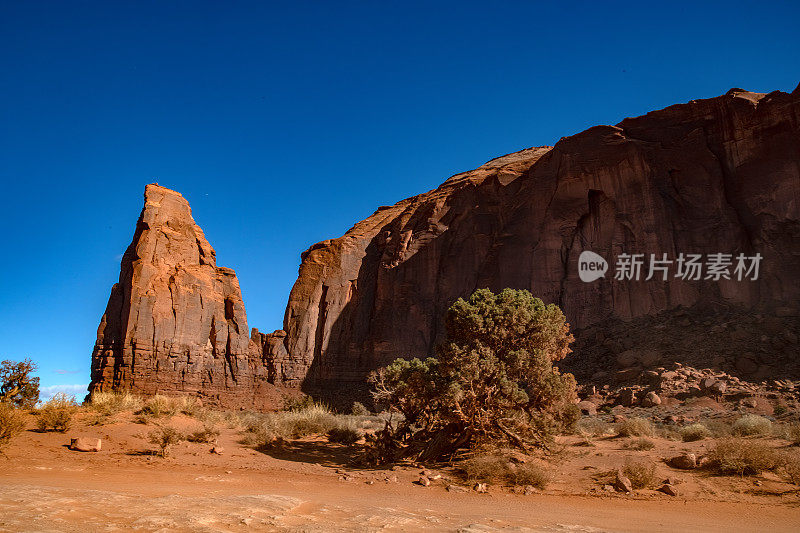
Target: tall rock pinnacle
[175,322]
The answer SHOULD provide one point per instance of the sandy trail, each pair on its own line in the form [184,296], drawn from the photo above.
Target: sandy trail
[173,499]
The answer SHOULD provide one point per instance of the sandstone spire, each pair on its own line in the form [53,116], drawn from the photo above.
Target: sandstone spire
[175,322]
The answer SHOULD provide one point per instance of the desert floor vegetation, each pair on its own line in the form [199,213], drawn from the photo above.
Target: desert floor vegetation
[12,423]
[56,413]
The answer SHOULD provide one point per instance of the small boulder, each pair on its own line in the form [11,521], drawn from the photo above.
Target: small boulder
[668,489]
[750,402]
[481,488]
[456,488]
[686,461]
[627,359]
[622,483]
[627,397]
[424,481]
[651,399]
[587,408]
[85,444]
[218,450]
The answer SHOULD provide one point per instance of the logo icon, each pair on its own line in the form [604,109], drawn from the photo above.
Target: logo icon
[591,266]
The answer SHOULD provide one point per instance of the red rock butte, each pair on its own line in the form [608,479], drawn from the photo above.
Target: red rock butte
[720,175]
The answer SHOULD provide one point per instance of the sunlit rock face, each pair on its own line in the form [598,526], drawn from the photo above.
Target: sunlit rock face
[711,176]
[175,322]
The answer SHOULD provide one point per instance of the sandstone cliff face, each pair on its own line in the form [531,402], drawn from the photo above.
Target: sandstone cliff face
[175,322]
[711,176]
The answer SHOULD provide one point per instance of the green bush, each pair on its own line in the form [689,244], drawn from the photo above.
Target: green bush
[56,413]
[742,457]
[17,386]
[12,423]
[694,432]
[493,381]
[635,427]
[750,425]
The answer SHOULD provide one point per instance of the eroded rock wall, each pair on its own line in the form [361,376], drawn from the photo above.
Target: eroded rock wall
[711,176]
[175,322]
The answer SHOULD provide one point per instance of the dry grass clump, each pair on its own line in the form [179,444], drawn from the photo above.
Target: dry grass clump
[493,467]
[751,425]
[635,427]
[160,406]
[56,413]
[358,409]
[12,423]
[110,403]
[208,434]
[641,473]
[791,463]
[344,433]
[593,427]
[306,419]
[743,457]
[165,437]
[793,434]
[640,444]
[694,432]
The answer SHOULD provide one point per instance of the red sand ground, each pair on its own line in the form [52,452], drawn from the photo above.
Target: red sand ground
[46,487]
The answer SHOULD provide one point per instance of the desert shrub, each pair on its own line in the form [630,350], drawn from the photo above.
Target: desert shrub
[56,413]
[750,425]
[497,467]
[694,432]
[12,423]
[529,474]
[493,380]
[358,409]
[207,434]
[110,403]
[640,444]
[313,419]
[780,410]
[791,463]
[158,406]
[165,437]
[17,386]
[793,433]
[641,473]
[718,428]
[742,457]
[592,427]
[298,403]
[635,427]
[344,433]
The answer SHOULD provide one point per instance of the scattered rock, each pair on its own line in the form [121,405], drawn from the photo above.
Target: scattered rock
[587,408]
[218,450]
[686,461]
[85,444]
[668,489]
[424,481]
[651,399]
[456,488]
[622,483]
[750,402]
[481,488]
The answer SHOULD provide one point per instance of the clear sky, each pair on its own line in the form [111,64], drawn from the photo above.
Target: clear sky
[285,123]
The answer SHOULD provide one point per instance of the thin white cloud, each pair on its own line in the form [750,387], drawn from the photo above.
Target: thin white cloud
[79,391]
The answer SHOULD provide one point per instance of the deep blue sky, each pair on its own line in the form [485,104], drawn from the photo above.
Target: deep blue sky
[283,124]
